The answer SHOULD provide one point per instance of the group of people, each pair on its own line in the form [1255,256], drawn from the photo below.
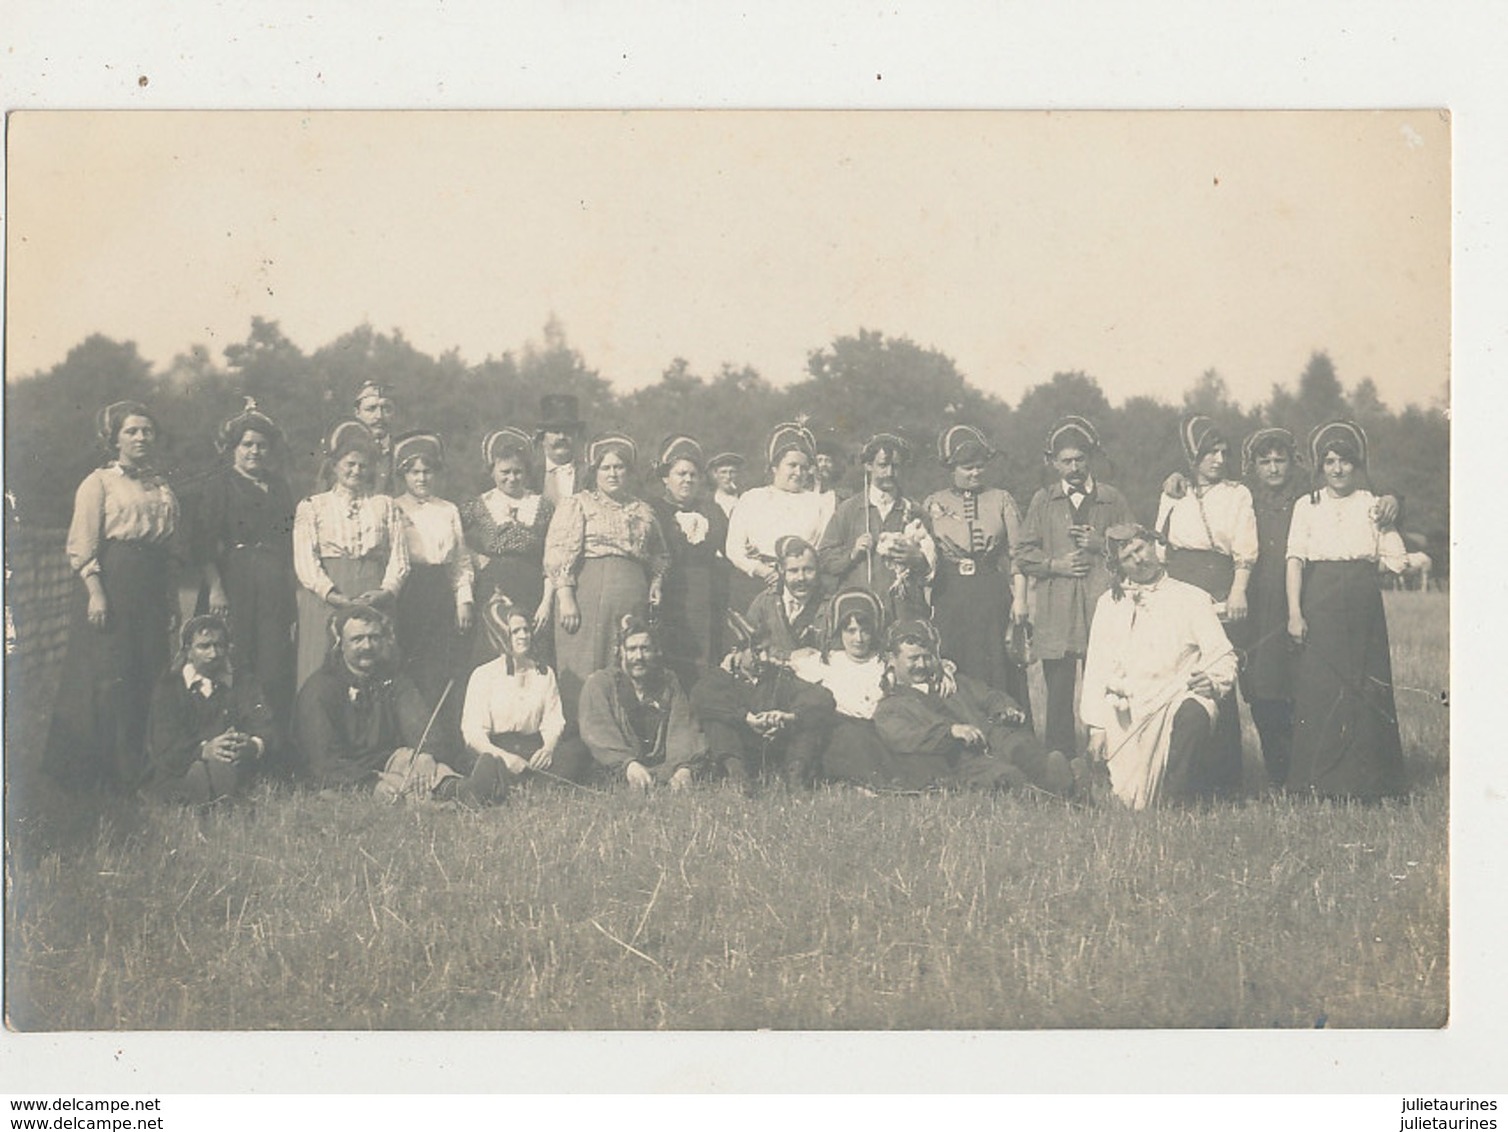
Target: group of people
[561,625]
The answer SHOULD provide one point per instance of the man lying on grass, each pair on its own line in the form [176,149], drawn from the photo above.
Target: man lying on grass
[1158,665]
[361,723]
[208,726]
[941,728]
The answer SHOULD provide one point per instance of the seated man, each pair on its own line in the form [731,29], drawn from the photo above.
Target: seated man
[1158,665]
[359,722]
[636,720]
[789,616]
[208,726]
[759,717]
[945,729]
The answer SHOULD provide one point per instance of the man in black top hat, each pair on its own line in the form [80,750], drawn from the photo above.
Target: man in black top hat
[559,429]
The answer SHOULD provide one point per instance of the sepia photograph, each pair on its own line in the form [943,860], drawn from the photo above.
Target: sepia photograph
[728,570]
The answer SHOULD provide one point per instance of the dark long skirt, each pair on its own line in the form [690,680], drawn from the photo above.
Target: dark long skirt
[352,576]
[259,586]
[99,722]
[429,642]
[1345,741]
[606,590]
[693,610]
[973,617]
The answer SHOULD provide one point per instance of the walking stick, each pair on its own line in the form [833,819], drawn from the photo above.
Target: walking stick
[869,550]
[423,735]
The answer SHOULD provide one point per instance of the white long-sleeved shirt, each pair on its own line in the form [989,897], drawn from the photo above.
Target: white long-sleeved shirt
[527,701]
[432,529]
[765,515]
[1217,517]
[1343,528]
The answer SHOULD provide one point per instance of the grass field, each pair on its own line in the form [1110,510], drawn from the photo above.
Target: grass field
[712,910]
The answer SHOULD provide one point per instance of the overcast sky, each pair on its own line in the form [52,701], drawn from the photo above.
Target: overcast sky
[1140,248]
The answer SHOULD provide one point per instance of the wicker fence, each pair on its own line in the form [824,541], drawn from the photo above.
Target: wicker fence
[39,593]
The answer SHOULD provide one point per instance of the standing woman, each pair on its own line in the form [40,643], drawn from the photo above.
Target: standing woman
[505,529]
[1211,534]
[435,604]
[1345,741]
[125,519]
[979,592]
[1269,459]
[242,524]
[694,604]
[606,558]
[348,545]
[785,506]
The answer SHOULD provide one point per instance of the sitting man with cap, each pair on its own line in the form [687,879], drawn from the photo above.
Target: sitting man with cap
[945,729]
[724,468]
[635,718]
[361,723]
[789,618]
[558,435]
[760,719]
[1158,668]
[208,726]
[879,539]
[375,409]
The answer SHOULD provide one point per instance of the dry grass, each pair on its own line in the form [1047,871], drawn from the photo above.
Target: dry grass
[822,911]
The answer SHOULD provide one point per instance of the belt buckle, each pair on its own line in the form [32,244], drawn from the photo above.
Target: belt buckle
[966,568]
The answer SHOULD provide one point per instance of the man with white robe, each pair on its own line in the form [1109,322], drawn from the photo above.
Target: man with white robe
[1157,667]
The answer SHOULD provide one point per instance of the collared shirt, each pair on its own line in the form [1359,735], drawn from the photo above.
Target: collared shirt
[338,524]
[1077,495]
[726,501]
[794,607]
[526,701]
[112,504]
[764,515]
[432,528]
[195,681]
[563,476]
[882,502]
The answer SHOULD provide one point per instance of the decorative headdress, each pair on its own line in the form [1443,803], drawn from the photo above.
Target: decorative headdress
[679,447]
[507,442]
[1199,435]
[346,435]
[249,419]
[193,627]
[788,436]
[495,617]
[413,446]
[1071,429]
[963,444]
[605,442]
[855,600]
[1117,538]
[742,633]
[1347,433]
[1261,441]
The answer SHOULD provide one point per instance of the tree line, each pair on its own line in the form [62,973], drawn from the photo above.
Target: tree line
[859,384]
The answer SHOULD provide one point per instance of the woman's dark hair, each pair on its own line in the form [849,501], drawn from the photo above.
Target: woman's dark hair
[834,639]
[113,417]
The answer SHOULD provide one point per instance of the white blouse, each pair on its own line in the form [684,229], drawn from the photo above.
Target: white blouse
[1217,517]
[110,504]
[527,701]
[432,529]
[338,524]
[855,684]
[765,515]
[1343,528]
